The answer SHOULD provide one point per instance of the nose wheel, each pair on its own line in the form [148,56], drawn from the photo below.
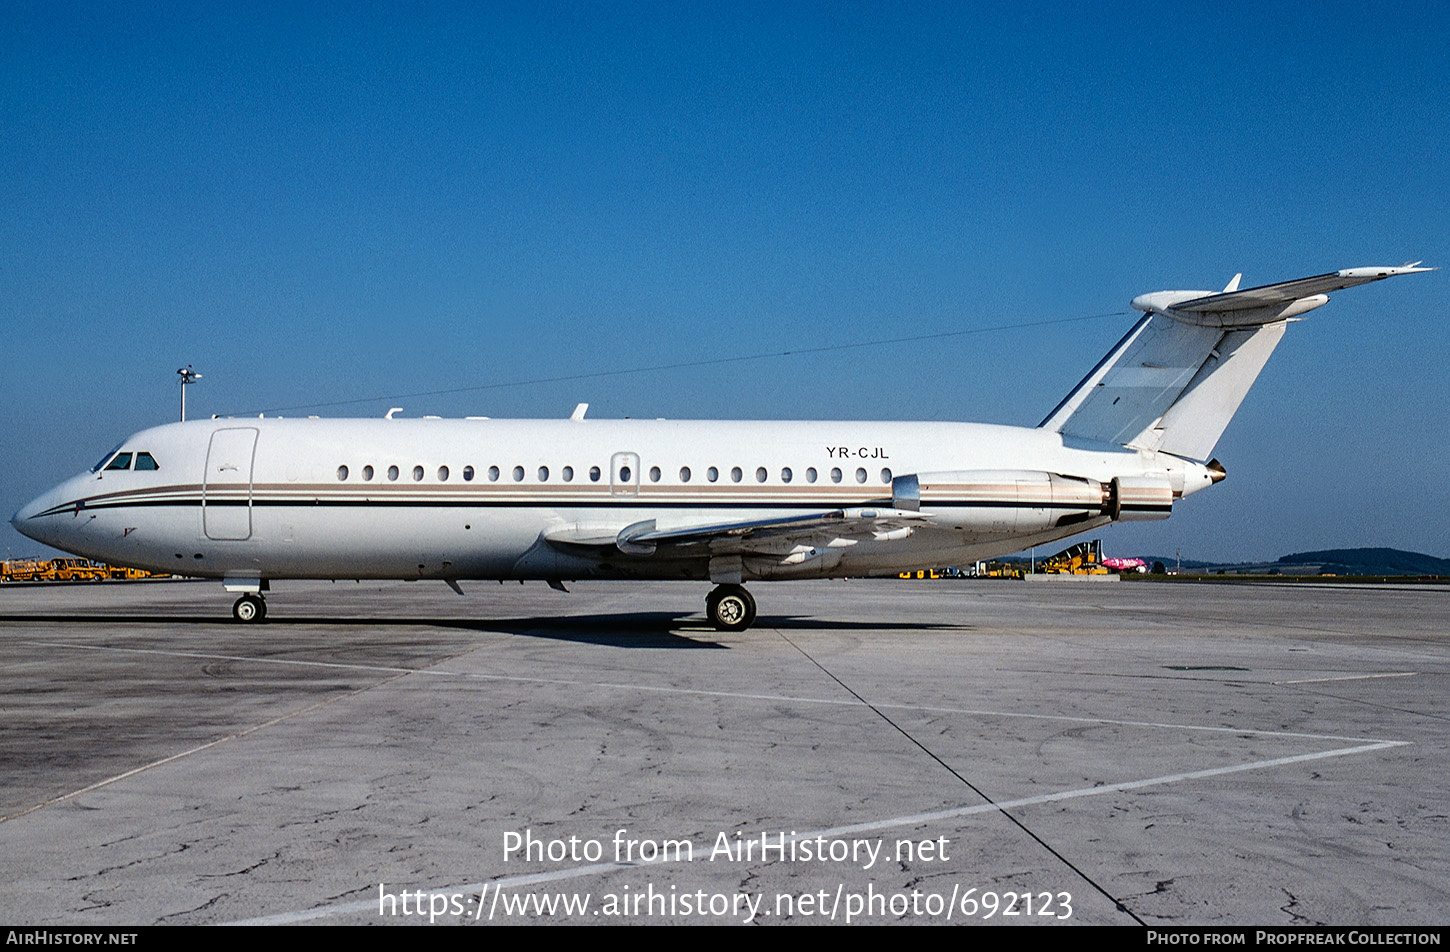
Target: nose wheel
[730,608]
[249,608]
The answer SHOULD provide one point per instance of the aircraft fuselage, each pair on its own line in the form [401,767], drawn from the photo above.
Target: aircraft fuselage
[540,499]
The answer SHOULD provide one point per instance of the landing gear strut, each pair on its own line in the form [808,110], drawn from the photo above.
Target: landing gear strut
[730,608]
[249,608]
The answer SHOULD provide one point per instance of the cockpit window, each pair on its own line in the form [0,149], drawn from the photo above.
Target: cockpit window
[122,461]
[104,459]
[145,461]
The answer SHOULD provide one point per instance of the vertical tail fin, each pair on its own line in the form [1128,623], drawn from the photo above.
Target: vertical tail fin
[1177,378]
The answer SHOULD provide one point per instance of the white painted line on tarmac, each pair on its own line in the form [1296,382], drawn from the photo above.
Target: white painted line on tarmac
[1350,677]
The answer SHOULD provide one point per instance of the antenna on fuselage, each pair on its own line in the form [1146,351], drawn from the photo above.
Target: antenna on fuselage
[188,377]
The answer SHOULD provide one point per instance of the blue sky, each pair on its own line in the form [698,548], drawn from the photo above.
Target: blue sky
[317,203]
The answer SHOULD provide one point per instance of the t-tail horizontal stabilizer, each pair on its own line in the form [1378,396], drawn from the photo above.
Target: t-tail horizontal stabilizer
[1176,379]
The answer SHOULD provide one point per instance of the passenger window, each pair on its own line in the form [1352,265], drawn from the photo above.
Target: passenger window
[145,461]
[811,475]
[468,474]
[493,474]
[443,474]
[712,474]
[886,475]
[342,472]
[367,472]
[543,474]
[654,474]
[684,474]
[594,474]
[835,474]
[122,461]
[568,474]
[735,474]
[518,474]
[786,475]
[417,474]
[392,472]
[860,475]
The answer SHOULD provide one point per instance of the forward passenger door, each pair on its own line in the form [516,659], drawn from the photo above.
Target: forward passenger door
[226,491]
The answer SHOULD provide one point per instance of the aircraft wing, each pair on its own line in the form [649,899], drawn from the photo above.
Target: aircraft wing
[1287,291]
[777,535]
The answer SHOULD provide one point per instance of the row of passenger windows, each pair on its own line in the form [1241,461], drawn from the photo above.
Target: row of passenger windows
[626,476]
[147,462]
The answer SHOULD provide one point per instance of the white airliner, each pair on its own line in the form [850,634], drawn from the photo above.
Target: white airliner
[251,500]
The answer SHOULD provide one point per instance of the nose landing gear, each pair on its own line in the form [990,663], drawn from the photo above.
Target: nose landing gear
[249,608]
[730,608]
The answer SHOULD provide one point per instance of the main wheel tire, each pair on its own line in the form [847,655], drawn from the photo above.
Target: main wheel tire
[249,609]
[730,608]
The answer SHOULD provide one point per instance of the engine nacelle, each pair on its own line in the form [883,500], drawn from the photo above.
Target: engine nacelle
[1018,501]
[1140,498]
[1002,501]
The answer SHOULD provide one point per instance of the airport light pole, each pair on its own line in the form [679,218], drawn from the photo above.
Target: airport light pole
[188,376]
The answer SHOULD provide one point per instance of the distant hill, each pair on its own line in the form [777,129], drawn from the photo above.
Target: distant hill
[1370,562]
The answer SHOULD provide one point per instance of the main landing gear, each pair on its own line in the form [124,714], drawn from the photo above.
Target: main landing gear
[730,608]
[250,608]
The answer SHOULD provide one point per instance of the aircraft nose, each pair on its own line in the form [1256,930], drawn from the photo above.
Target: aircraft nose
[27,520]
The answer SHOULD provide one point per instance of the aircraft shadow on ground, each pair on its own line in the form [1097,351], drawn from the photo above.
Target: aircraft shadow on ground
[619,630]
[624,630]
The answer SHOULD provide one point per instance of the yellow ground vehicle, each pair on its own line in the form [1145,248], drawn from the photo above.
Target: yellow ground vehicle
[67,570]
[22,570]
[77,570]
[117,572]
[1085,558]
